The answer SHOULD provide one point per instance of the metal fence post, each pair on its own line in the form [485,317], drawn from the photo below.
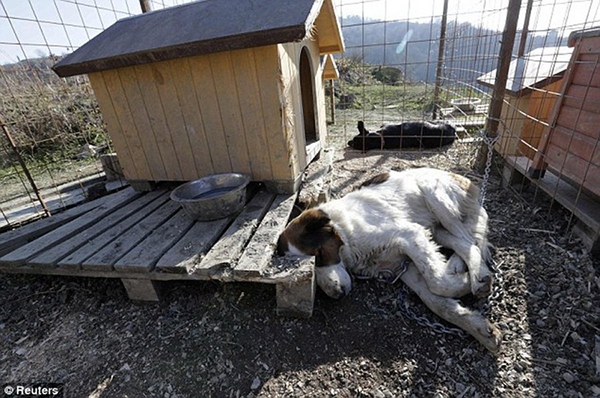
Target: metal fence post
[13,146]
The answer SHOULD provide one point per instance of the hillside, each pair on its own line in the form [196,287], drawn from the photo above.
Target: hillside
[413,47]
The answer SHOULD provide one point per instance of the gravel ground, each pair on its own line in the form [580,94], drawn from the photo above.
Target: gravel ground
[224,340]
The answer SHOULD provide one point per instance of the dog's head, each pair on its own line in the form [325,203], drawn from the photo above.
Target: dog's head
[448,130]
[365,140]
[365,143]
[313,234]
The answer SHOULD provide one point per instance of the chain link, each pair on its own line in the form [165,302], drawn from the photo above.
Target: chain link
[497,290]
[497,274]
[490,142]
[403,307]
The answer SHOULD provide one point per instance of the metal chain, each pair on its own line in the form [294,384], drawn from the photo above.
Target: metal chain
[497,274]
[497,290]
[403,307]
[490,142]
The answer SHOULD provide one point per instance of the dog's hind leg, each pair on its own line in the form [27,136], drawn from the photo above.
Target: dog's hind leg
[478,222]
[466,223]
[452,311]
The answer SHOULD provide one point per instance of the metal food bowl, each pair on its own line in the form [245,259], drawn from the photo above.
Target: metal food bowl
[212,197]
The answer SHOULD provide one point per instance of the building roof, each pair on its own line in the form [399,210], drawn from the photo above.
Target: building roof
[330,70]
[204,27]
[581,34]
[538,68]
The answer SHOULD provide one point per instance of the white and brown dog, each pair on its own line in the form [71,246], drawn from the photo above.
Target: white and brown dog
[397,216]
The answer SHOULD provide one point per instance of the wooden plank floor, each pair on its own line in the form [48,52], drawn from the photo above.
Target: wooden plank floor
[145,237]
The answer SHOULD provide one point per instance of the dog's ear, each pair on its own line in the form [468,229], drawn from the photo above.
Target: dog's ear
[361,128]
[316,220]
[314,230]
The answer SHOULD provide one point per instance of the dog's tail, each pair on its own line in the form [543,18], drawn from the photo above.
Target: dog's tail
[361,128]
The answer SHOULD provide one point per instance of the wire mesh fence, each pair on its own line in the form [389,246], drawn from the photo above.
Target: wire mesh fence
[413,61]
[52,128]
[441,61]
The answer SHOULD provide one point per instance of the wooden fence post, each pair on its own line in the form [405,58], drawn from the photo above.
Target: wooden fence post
[525,31]
[505,57]
[332,99]
[145,5]
[440,62]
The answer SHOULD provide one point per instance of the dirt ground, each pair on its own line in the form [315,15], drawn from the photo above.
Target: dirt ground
[224,340]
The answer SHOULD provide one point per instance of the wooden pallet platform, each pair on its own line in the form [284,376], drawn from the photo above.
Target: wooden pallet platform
[142,238]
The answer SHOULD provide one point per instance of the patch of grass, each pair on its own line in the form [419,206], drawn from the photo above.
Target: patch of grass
[407,97]
[49,118]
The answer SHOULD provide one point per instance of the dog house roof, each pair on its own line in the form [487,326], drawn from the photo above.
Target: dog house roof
[537,68]
[204,27]
[581,34]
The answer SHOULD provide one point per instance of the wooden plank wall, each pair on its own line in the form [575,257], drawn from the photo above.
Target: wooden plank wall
[540,107]
[116,131]
[289,55]
[527,116]
[509,137]
[321,110]
[291,100]
[183,119]
[574,142]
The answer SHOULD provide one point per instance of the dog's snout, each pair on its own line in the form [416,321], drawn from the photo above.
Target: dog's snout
[343,292]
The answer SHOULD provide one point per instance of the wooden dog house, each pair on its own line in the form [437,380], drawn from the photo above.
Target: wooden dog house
[532,87]
[571,143]
[564,160]
[214,86]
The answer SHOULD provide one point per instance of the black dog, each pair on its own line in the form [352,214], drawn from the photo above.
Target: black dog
[405,135]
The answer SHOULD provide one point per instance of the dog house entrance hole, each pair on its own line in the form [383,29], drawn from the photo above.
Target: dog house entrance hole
[308,101]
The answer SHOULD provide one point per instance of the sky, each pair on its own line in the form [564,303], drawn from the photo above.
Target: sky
[547,14]
[29,28]
[33,28]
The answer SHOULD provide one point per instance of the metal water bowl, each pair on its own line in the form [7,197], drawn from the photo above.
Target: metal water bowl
[212,197]
[465,104]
